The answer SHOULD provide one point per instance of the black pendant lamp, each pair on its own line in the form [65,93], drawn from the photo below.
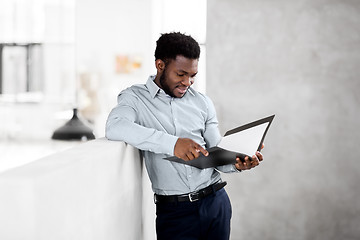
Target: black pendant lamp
[74,129]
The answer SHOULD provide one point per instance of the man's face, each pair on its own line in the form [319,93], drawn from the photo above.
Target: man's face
[178,76]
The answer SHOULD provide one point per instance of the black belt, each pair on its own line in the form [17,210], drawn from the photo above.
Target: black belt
[190,197]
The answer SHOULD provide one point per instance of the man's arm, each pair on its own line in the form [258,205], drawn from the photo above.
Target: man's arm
[122,125]
[212,137]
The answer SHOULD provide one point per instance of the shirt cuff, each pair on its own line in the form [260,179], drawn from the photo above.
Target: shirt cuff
[168,144]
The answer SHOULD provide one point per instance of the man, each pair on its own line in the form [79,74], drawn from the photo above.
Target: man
[166,117]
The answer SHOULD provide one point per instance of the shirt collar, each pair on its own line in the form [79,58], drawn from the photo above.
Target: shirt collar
[154,89]
[151,85]
[190,91]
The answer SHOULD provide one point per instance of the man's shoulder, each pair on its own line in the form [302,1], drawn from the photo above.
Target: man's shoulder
[134,92]
[135,89]
[199,96]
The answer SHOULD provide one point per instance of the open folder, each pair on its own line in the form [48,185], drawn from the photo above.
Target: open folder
[239,142]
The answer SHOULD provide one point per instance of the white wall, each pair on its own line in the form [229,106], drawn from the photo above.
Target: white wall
[92,191]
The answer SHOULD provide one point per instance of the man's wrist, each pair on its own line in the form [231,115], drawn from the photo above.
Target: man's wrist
[236,169]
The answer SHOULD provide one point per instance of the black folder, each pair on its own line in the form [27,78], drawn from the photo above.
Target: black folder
[250,137]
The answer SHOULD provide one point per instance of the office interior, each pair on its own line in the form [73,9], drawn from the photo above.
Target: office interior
[299,60]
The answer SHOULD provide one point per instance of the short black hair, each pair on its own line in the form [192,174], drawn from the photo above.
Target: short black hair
[170,45]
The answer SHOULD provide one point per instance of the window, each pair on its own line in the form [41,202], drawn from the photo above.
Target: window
[20,68]
[37,53]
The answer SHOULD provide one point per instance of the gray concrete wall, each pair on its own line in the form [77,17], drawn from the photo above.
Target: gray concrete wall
[301,61]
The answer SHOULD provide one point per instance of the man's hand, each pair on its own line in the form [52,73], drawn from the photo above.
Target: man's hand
[187,149]
[249,163]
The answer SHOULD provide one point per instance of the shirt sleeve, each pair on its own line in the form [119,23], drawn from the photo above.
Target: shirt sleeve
[122,125]
[212,135]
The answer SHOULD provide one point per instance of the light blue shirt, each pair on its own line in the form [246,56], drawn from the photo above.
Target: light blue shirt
[152,121]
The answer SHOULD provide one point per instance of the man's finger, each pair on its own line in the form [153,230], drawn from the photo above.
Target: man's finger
[239,161]
[259,156]
[202,150]
[247,162]
[189,156]
[239,164]
[195,152]
[254,161]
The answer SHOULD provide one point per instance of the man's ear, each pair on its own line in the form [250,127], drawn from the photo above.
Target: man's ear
[160,65]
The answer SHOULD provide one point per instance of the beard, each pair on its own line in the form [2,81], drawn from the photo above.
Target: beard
[164,84]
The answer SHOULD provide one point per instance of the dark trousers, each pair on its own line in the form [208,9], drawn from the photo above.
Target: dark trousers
[208,218]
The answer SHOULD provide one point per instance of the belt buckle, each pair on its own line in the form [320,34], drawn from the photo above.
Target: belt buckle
[193,197]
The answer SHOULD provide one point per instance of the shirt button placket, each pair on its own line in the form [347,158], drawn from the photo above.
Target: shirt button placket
[189,176]
[175,119]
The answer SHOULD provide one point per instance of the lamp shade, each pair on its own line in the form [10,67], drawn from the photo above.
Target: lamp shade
[74,129]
